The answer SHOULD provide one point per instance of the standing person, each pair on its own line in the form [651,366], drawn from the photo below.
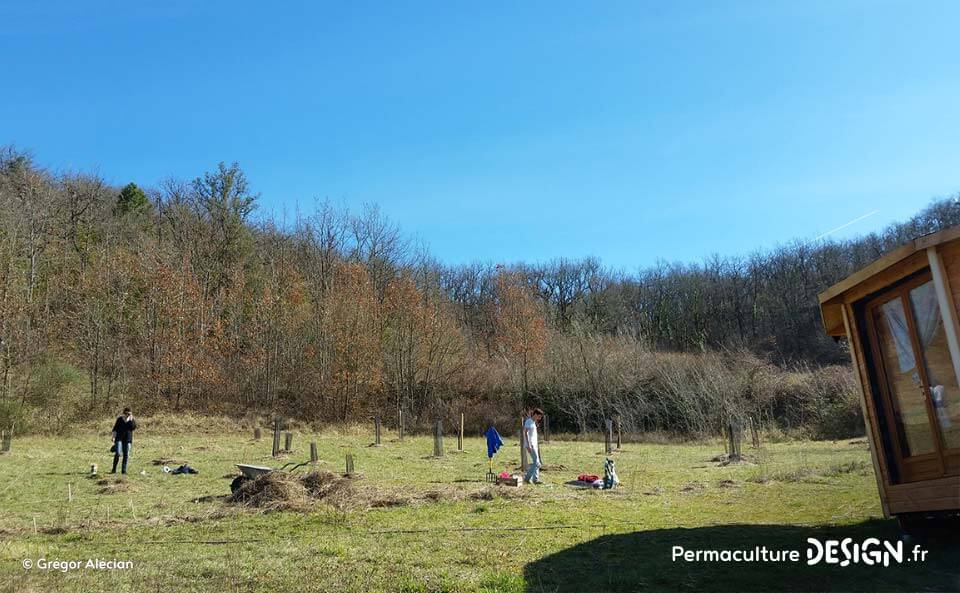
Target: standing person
[533,446]
[123,438]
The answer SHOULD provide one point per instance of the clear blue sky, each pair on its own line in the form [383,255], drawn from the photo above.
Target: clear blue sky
[502,131]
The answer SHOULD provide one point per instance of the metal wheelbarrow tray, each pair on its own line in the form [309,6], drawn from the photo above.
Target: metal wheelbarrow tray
[252,472]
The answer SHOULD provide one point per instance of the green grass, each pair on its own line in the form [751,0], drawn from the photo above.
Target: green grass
[586,541]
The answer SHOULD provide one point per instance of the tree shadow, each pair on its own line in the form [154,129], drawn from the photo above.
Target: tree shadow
[642,561]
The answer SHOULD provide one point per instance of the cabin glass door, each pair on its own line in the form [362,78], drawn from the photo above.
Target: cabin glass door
[941,387]
[919,385]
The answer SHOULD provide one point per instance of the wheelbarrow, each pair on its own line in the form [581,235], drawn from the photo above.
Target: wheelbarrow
[252,472]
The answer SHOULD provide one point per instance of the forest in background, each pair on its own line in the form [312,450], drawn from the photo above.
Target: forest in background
[177,297]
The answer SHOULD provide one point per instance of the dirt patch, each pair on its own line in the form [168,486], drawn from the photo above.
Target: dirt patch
[212,498]
[693,487]
[113,486]
[553,467]
[727,484]
[725,460]
[59,530]
[167,461]
[655,491]
[285,491]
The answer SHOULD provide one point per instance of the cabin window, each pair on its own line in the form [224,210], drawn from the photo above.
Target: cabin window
[919,393]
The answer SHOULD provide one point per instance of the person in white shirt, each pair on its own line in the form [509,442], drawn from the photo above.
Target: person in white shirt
[530,442]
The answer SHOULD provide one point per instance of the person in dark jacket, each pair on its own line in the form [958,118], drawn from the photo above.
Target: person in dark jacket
[123,438]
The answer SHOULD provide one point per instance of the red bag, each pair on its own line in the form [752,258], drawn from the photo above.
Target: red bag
[588,478]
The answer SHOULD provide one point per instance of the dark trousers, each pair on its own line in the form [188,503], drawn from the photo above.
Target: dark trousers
[125,448]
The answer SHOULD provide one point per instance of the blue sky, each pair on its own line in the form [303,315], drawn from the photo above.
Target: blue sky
[502,131]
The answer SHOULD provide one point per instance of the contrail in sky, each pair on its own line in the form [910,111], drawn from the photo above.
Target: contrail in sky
[843,226]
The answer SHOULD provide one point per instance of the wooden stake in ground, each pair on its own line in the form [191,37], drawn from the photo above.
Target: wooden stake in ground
[546,428]
[524,462]
[376,431]
[608,437]
[460,435]
[288,442]
[754,433]
[313,453]
[438,439]
[619,434]
[734,436]
[276,436]
[400,424]
[350,468]
[6,438]
[256,433]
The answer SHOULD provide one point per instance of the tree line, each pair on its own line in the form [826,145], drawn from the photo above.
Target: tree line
[178,297]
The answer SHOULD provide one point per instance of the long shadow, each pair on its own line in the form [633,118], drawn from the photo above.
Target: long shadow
[642,561]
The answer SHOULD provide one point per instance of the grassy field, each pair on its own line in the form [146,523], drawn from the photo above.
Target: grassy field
[448,531]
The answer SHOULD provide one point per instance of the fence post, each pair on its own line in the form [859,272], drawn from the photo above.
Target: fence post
[288,442]
[619,433]
[313,453]
[608,437]
[400,424]
[350,468]
[546,428]
[460,435]
[734,435]
[276,436]
[256,433]
[376,431]
[524,462]
[438,439]
[754,433]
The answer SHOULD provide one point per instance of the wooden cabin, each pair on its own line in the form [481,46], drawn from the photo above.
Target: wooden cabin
[900,315]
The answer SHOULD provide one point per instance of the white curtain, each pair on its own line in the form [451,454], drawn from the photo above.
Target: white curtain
[897,322]
[926,311]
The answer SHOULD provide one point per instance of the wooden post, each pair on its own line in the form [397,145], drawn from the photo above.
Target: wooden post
[734,435]
[619,433]
[69,492]
[288,442]
[350,468]
[608,437]
[524,462]
[376,431]
[400,424]
[6,437]
[754,433]
[256,434]
[276,436]
[313,453]
[438,439]
[460,435]
[546,428]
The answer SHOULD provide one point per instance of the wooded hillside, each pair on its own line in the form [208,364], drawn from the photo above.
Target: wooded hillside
[179,297]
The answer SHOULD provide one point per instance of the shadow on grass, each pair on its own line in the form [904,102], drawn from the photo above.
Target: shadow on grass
[641,561]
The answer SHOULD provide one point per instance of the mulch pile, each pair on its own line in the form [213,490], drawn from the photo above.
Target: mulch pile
[287,491]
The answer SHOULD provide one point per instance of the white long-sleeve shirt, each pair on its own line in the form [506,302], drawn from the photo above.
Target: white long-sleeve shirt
[530,434]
